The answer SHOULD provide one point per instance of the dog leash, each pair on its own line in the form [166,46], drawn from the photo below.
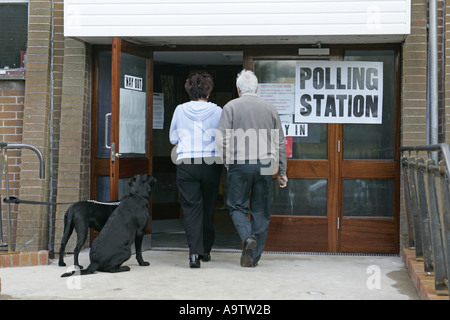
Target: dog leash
[15,200]
[112,203]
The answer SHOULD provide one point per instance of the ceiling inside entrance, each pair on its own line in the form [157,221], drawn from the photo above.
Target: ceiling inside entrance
[198,57]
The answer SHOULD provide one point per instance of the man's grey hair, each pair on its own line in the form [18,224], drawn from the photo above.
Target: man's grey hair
[247,82]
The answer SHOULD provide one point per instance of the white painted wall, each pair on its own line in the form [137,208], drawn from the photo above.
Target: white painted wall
[234,18]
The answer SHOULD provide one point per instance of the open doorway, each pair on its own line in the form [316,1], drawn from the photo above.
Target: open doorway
[171,68]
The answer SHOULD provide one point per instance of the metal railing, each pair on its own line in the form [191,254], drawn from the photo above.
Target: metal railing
[427,200]
[4,146]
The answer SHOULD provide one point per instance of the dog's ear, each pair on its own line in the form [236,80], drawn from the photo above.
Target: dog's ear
[132,180]
[153,182]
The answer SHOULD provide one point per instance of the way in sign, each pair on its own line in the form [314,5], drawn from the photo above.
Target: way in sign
[295,129]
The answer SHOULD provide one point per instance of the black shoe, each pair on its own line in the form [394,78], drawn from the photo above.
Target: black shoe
[206,257]
[247,253]
[194,261]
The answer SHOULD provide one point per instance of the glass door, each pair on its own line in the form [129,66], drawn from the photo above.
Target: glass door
[343,190]
[131,115]
[122,118]
[300,215]
[371,169]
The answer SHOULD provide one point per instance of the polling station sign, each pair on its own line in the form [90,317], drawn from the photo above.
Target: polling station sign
[339,92]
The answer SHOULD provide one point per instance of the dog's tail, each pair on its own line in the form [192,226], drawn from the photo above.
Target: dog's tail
[89,270]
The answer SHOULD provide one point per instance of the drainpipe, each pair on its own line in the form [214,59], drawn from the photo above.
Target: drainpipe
[433,91]
[51,208]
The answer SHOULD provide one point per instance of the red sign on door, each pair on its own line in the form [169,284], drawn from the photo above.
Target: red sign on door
[289,147]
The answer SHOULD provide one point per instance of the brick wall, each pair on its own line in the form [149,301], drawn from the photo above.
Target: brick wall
[414,78]
[74,153]
[441,69]
[42,102]
[414,115]
[11,110]
[50,110]
[24,259]
[446,71]
[414,81]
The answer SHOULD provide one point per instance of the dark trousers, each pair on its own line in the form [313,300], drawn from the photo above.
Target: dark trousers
[199,185]
[249,192]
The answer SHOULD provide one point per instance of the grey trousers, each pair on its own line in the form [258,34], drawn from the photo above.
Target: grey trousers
[249,193]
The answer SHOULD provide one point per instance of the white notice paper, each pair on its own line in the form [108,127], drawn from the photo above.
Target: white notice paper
[280,95]
[132,128]
[158,110]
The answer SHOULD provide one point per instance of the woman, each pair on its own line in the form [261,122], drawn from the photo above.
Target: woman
[193,130]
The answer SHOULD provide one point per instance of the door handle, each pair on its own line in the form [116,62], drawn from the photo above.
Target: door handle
[112,146]
[108,115]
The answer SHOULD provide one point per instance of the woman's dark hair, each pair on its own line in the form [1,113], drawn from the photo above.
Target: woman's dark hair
[199,85]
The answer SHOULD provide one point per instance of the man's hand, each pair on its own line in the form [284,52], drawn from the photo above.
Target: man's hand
[282,181]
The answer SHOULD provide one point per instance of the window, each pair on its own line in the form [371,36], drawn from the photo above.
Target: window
[312,146]
[376,141]
[13,34]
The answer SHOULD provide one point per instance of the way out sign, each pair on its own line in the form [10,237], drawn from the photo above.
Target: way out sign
[339,92]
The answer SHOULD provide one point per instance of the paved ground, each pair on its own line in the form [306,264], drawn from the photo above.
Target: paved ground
[278,277]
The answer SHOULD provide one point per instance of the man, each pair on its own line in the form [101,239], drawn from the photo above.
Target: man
[252,146]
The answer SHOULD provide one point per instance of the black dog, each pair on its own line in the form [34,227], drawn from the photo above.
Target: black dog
[112,247]
[81,216]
